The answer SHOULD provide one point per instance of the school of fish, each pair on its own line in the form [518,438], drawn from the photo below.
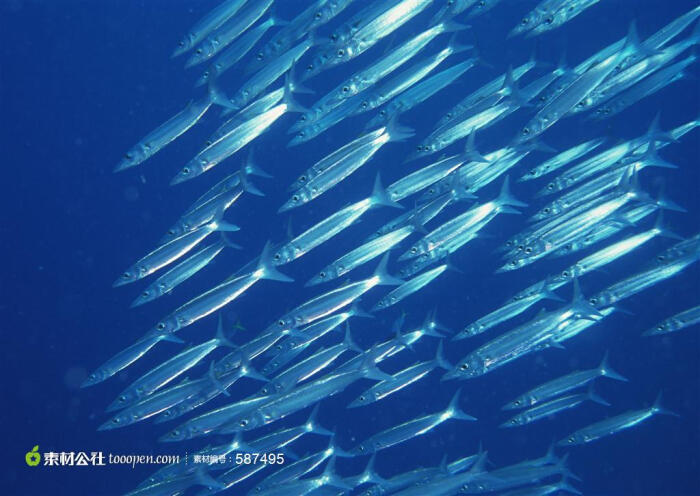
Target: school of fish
[592,208]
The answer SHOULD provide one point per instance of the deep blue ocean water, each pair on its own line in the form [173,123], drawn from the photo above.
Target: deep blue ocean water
[82,81]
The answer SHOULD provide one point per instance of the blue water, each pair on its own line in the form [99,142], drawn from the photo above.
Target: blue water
[81,81]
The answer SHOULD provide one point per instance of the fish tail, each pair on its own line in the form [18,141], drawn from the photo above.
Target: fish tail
[331,477]
[454,409]
[658,409]
[314,426]
[215,380]
[470,150]
[220,337]
[606,371]
[593,396]
[440,359]
[347,340]
[396,131]
[662,231]
[357,311]
[384,277]
[506,198]
[269,270]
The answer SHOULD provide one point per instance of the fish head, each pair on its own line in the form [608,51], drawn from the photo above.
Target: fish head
[201,53]
[132,274]
[177,434]
[132,158]
[473,329]
[121,401]
[364,399]
[166,326]
[301,136]
[299,198]
[95,377]
[191,170]
[471,366]
[326,274]
[284,254]
[119,420]
[514,264]
[573,439]
[175,231]
[513,422]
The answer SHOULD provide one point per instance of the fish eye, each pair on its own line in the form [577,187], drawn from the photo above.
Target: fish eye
[550,186]
[280,323]
[414,249]
[318,15]
[593,301]
[346,89]
[310,67]
[182,44]
[115,420]
[571,439]
[126,275]
[524,21]
[144,294]
[526,131]
[301,134]
[547,210]
[160,326]
[277,256]
[513,263]
[365,104]
[302,118]
[660,327]
[122,398]
[295,198]
[565,273]
[244,422]
[517,402]
[128,156]
[513,421]
[549,20]
[362,398]
[533,172]
[199,51]
[528,250]
[334,37]
[341,52]
[186,170]
[322,274]
[464,366]
[171,231]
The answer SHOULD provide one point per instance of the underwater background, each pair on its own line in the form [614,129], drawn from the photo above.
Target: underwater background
[80,81]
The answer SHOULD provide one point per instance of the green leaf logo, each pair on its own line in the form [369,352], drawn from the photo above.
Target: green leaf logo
[33,458]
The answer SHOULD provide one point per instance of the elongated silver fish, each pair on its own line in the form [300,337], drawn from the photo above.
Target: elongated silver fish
[332,225]
[169,370]
[212,20]
[563,384]
[680,321]
[550,408]
[179,274]
[217,297]
[411,429]
[171,251]
[360,255]
[613,425]
[409,287]
[164,134]
[228,32]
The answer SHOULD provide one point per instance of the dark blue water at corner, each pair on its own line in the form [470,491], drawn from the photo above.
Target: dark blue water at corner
[81,81]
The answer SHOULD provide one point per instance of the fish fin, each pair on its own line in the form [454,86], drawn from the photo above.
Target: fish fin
[313,426]
[215,380]
[251,168]
[606,371]
[396,131]
[634,46]
[368,368]
[248,186]
[470,150]
[593,396]
[440,360]
[202,477]
[454,409]
[457,47]
[171,338]
[337,450]
[580,305]
[370,475]
[265,264]
[357,311]
[655,133]
[563,468]
[431,326]
[222,225]
[452,26]
[331,478]
[506,198]
[563,485]
[381,197]
[384,277]
[228,243]
[252,372]
[221,338]
[347,340]
[294,84]
[652,158]
[288,98]
[662,231]
[663,202]
[658,409]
